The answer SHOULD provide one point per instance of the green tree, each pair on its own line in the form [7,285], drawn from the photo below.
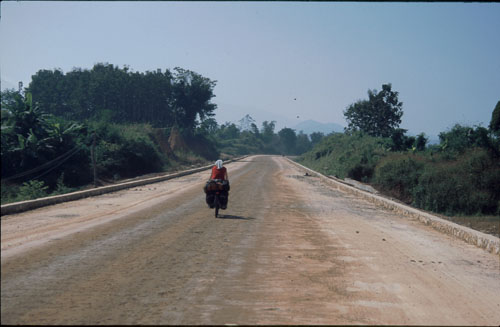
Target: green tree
[49,91]
[421,142]
[402,142]
[255,130]
[380,115]
[160,98]
[399,140]
[191,98]
[11,101]
[270,140]
[268,130]
[316,137]
[288,140]
[209,126]
[495,120]
[302,144]
[228,131]
[37,142]
[79,100]
[459,138]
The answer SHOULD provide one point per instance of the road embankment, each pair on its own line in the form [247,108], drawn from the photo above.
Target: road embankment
[487,242]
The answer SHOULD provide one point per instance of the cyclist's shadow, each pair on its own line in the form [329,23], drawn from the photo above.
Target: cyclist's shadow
[222,216]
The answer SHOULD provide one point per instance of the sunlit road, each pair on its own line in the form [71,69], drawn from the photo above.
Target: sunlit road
[288,250]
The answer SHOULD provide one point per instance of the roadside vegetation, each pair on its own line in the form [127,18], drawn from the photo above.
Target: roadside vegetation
[121,124]
[459,177]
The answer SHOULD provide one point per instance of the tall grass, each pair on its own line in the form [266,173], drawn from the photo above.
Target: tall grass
[344,155]
[398,174]
[466,184]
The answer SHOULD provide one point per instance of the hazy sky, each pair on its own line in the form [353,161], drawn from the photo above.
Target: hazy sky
[442,58]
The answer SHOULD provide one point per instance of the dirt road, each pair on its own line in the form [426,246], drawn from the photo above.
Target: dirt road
[288,250]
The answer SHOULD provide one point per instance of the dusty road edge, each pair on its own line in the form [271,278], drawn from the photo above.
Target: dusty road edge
[17,207]
[487,242]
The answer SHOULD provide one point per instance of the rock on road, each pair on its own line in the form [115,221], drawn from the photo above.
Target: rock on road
[288,250]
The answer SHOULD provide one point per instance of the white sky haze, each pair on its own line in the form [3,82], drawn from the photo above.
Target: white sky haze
[442,58]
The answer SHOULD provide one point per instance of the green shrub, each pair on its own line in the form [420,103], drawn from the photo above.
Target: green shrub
[468,185]
[398,175]
[342,155]
[448,182]
[460,138]
[126,151]
[9,192]
[61,187]
[32,190]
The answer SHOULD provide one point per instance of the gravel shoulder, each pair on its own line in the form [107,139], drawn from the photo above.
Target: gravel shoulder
[289,250]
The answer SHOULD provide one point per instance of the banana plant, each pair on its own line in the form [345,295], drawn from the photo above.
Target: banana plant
[30,138]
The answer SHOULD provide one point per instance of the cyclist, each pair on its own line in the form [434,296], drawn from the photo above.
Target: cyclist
[219,172]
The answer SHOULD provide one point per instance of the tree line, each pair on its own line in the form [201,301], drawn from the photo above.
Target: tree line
[50,128]
[161,98]
[249,138]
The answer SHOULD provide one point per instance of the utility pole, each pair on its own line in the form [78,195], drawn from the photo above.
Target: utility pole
[92,152]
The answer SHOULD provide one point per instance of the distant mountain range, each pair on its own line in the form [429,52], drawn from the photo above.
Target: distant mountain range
[311,126]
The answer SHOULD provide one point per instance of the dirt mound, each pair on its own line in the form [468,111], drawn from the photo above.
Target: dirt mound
[196,144]
[159,136]
[202,147]
[176,141]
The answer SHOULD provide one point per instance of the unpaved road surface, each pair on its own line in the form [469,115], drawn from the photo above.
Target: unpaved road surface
[288,250]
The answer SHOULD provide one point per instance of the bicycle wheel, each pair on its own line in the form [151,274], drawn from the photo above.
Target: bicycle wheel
[217,204]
